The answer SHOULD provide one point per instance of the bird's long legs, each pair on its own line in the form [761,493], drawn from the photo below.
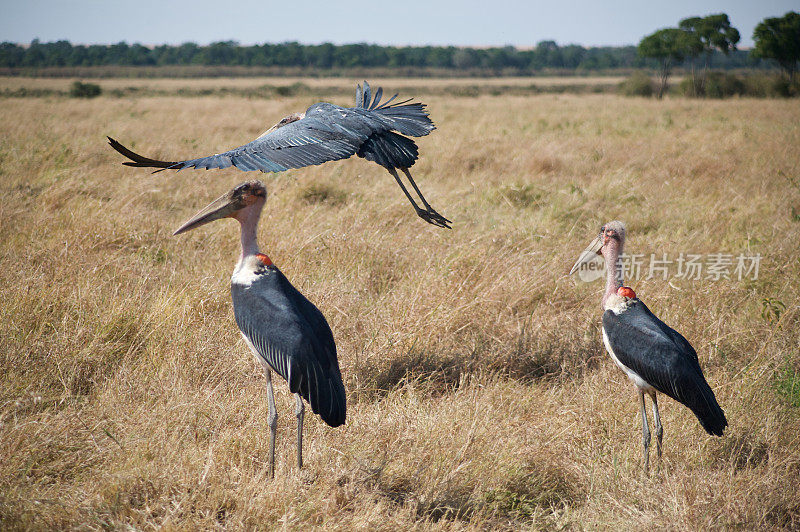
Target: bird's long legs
[645,434]
[403,187]
[299,410]
[424,201]
[658,428]
[428,213]
[272,421]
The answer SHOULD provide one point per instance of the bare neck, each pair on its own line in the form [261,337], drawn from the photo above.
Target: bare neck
[248,219]
[613,276]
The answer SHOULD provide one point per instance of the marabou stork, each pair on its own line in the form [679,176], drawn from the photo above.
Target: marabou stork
[285,331]
[654,356]
[327,132]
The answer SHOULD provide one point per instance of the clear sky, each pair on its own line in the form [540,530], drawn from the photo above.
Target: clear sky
[409,22]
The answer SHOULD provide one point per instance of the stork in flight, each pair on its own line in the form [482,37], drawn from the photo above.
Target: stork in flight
[327,132]
[653,355]
[285,331]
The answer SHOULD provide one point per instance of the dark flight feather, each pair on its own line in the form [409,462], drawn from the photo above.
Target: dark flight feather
[663,358]
[327,132]
[293,337]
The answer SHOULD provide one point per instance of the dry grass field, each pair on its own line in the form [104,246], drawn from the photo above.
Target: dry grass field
[479,392]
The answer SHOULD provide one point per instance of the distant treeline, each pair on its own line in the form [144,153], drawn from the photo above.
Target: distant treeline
[547,55]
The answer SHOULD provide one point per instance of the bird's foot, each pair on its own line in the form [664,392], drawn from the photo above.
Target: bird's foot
[434,218]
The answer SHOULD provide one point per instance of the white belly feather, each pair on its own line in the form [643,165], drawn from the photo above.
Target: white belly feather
[255,352]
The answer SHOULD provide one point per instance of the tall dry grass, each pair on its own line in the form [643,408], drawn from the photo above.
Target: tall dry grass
[479,393]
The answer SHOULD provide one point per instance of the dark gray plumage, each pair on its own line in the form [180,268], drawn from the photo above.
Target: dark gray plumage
[294,338]
[285,331]
[327,132]
[655,357]
[664,359]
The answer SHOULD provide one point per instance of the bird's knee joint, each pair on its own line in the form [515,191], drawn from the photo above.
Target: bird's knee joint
[272,420]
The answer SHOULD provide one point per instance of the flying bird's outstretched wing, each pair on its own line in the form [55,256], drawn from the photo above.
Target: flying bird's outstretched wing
[325,132]
[308,141]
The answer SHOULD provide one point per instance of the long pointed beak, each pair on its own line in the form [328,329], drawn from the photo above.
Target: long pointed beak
[588,254]
[221,207]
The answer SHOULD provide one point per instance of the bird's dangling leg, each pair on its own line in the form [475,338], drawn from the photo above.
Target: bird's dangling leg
[300,411]
[658,428]
[403,187]
[645,435]
[422,213]
[272,421]
[430,210]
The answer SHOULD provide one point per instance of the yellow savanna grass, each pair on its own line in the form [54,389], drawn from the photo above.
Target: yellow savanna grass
[480,396]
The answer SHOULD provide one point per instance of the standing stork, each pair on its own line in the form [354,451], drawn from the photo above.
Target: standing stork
[327,132]
[654,356]
[285,331]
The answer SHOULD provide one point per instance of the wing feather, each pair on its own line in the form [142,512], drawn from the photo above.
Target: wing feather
[326,132]
[378,96]
[663,358]
[294,338]
[309,141]
[367,96]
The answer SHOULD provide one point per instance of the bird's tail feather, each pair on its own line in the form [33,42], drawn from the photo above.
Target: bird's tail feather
[708,411]
[404,117]
[326,395]
[389,150]
[336,411]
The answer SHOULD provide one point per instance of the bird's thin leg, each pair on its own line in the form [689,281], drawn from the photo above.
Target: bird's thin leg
[300,411]
[416,189]
[402,186]
[645,434]
[421,197]
[658,428]
[272,421]
[428,216]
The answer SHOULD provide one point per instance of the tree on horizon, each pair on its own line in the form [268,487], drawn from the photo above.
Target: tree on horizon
[778,38]
[714,32]
[668,46]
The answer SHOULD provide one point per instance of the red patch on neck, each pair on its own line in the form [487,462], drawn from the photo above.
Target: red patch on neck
[626,291]
[266,261]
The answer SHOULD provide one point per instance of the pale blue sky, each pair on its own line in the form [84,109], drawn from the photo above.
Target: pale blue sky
[410,22]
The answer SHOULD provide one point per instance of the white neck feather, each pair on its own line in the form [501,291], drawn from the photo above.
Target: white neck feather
[616,303]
